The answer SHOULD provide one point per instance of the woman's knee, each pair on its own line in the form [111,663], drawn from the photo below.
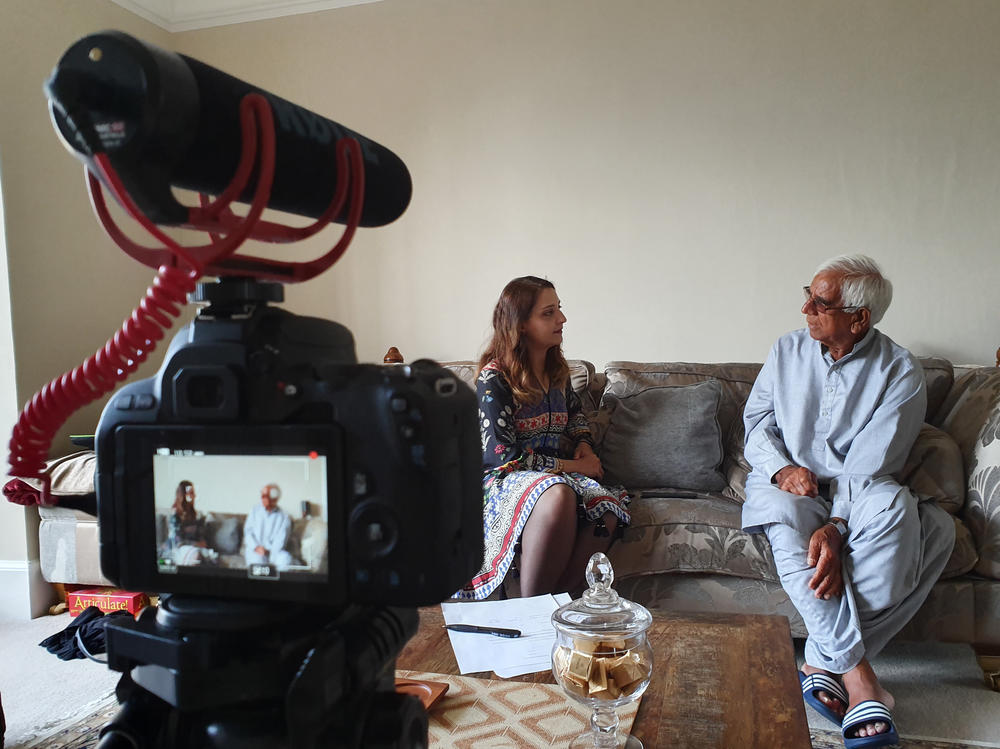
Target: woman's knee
[556,502]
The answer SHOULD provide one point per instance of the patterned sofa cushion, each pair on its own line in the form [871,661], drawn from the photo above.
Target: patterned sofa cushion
[971,415]
[694,533]
[700,533]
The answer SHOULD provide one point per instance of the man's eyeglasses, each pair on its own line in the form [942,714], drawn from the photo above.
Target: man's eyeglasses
[824,307]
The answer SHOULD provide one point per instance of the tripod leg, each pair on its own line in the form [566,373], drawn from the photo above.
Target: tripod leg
[140,720]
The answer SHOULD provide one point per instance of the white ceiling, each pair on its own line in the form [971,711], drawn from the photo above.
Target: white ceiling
[185,15]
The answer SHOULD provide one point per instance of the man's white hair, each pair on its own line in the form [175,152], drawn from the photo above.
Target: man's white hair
[861,283]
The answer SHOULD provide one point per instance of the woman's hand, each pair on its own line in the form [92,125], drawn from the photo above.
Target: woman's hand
[582,449]
[589,465]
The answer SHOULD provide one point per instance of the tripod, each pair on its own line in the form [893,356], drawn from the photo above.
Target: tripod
[205,673]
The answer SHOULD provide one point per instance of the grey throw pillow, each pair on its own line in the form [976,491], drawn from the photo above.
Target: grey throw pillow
[226,539]
[665,436]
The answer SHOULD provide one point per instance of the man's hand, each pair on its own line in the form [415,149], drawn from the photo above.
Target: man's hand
[824,555]
[797,480]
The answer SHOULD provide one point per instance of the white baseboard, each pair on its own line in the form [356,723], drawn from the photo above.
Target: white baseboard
[24,593]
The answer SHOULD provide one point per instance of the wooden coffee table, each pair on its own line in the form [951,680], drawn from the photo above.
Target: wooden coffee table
[719,680]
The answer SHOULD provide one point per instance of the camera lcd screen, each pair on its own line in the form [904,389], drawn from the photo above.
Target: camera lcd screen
[254,516]
[252,512]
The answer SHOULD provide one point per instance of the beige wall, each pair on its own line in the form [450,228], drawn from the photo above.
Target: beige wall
[13,540]
[676,168]
[69,286]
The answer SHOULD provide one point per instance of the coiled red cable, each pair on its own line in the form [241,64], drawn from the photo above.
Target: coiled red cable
[177,275]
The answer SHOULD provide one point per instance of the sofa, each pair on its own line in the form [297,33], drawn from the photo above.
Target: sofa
[684,550]
[672,434]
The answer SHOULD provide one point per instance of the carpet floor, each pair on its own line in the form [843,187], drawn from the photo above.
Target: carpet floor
[941,700]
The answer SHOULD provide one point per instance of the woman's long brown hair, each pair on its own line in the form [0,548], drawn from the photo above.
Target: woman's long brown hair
[181,506]
[507,347]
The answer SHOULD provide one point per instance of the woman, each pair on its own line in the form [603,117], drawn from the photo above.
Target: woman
[186,527]
[535,493]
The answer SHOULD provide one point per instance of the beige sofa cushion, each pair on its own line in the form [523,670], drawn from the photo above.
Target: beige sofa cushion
[581,374]
[934,469]
[939,375]
[70,475]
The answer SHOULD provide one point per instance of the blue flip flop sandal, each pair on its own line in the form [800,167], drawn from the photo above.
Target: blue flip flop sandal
[869,711]
[822,683]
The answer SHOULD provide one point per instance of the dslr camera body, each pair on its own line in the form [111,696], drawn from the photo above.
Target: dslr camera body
[387,458]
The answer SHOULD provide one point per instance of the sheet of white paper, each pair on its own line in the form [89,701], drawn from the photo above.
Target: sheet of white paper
[507,657]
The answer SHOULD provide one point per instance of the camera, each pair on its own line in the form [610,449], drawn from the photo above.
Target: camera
[386,459]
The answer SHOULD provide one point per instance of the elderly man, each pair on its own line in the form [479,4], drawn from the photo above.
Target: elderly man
[266,531]
[829,422]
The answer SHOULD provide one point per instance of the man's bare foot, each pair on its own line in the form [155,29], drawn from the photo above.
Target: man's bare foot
[862,684]
[829,700]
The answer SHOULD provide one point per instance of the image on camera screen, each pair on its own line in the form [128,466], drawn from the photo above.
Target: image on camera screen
[262,517]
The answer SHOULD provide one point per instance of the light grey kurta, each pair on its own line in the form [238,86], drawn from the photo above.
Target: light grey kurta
[270,530]
[852,422]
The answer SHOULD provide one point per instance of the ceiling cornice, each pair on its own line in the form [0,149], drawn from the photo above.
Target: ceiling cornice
[187,15]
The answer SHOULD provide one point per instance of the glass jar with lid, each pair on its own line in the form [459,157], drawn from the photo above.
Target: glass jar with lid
[602,656]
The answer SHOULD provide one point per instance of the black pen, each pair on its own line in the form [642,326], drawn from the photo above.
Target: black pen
[498,631]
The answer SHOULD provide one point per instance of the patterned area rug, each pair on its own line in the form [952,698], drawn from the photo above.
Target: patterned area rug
[76,733]
[502,714]
[466,713]
[472,713]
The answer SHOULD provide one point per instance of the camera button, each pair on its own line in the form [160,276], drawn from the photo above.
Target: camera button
[407,431]
[360,484]
[418,456]
[398,404]
[374,529]
[144,401]
[123,402]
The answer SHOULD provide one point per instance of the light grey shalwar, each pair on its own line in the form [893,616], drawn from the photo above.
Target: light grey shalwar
[851,422]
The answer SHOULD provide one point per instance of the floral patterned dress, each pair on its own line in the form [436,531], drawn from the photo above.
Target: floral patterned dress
[521,447]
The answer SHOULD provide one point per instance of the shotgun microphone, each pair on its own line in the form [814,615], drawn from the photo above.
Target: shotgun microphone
[167,120]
